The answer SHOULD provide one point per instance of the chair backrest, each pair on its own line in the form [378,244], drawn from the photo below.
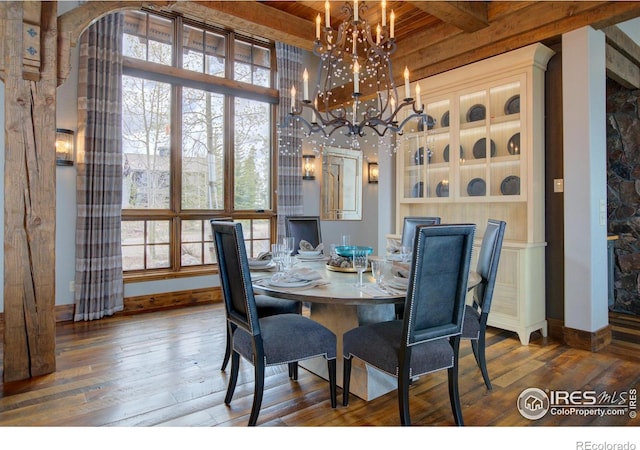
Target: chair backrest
[235,278]
[303,228]
[434,307]
[487,265]
[409,228]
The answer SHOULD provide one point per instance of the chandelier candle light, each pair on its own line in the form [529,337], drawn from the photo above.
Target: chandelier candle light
[352,61]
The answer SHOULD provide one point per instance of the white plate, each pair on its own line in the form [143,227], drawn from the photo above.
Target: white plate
[289,284]
[402,286]
[310,258]
[401,280]
[309,253]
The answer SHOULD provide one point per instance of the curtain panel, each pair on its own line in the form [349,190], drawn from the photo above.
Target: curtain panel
[99,283]
[290,201]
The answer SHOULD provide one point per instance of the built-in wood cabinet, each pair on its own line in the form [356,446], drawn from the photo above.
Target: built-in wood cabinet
[482,157]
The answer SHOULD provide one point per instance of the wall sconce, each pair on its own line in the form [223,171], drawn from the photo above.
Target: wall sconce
[308,167]
[65,147]
[373,172]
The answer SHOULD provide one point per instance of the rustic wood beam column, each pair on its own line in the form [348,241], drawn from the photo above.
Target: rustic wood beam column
[29,188]
[623,58]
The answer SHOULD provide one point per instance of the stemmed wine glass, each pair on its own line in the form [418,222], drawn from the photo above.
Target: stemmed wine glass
[360,262]
[277,254]
[288,242]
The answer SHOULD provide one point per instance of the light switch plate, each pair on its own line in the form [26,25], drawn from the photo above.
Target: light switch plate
[558,185]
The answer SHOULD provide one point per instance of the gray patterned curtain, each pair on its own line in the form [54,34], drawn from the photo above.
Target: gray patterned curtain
[290,138]
[99,285]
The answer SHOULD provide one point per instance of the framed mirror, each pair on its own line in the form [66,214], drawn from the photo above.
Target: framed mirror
[341,187]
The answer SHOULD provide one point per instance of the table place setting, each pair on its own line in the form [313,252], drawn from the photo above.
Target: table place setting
[398,252]
[263,262]
[307,252]
[382,290]
[298,278]
[386,281]
[398,283]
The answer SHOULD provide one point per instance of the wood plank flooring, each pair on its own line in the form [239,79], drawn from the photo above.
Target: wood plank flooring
[163,369]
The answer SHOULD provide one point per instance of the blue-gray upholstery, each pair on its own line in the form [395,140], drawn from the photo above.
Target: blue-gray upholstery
[267,306]
[476,315]
[303,227]
[428,337]
[267,341]
[409,225]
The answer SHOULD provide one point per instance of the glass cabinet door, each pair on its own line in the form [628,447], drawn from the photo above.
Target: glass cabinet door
[425,161]
[438,143]
[414,158]
[505,130]
[474,143]
[490,142]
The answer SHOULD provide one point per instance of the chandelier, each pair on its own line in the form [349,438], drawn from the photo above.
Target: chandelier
[354,89]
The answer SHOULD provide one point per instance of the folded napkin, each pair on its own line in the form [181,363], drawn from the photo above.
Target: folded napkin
[262,261]
[305,245]
[394,246]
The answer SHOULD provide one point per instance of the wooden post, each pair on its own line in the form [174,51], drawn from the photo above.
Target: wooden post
[30,76]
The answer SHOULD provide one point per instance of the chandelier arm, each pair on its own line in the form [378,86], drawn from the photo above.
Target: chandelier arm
[311,127]
[412,116]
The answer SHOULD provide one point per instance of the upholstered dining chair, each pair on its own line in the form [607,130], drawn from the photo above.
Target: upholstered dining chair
[409,225]
[267,341]
[476,315]
[427,339]
[265,305]
[303,228]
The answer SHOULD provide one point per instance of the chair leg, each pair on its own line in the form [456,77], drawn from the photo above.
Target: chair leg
[233,378]
[346,379]
[454,392]
[227,351]
[258,390]
[331,366]
[479,353]
[403,399]
[293,370]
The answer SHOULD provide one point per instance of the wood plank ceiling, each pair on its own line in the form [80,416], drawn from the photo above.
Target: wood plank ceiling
[432,36]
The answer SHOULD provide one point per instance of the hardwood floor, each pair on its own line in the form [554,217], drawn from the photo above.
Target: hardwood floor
[163,369]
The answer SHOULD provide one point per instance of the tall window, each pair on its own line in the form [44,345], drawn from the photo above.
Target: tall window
[197,119]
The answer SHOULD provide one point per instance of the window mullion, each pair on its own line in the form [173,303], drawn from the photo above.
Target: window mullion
[176,152]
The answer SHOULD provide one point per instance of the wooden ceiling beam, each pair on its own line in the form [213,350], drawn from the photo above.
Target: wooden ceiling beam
[623,58]
[619,40]
[622,69]
[536,23]
[467,16]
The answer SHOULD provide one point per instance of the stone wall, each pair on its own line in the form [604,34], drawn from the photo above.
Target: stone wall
[623,192]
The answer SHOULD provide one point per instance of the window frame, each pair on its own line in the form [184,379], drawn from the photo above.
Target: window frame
[179,77]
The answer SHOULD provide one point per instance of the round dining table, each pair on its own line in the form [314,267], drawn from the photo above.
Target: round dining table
[335,301]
